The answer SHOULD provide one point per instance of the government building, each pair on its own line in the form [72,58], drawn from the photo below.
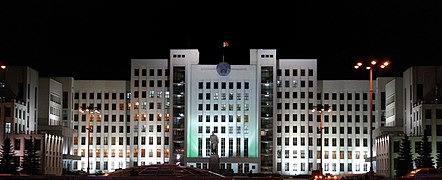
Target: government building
[261,112]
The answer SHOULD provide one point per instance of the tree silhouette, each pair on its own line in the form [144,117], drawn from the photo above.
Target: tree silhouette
[7,164]
[405,161]
[439,158]
[425,158]
[31,160]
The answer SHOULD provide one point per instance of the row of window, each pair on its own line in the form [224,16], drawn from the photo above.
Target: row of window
[223,85]
[19,113]
[230,150]
[326,154]
[223,118]
[241,167]
[99,117]
[113,106]
[151,72]
[326,141]
[326,167]
[223,129]
[159,72]
[342,96]
[55,99]
[333,106]
[326,118]
[113,117]
[151,94]
[294,83]
[81,165]
[120,140]
[294,72]
[223,96]
[294,95]
[223,107]
[18,128]
[136,152]
[279,117]
[99,95]
[143,105]
[334,130]
[142,117]
[105,129]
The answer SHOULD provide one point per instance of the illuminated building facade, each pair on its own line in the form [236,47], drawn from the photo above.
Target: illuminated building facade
[31,111]
[414,107]
[109,147]
[261,113]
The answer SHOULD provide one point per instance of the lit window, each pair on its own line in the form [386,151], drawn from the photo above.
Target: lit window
[152,94]
[8,128]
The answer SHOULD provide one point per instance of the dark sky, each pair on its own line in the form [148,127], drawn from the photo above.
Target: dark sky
[96,39]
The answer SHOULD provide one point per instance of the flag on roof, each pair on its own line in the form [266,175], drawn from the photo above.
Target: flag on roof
[225,44]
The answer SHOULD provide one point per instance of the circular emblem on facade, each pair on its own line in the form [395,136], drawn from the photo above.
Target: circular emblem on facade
[223,68]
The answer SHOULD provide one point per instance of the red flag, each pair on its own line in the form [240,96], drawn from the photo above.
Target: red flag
[225,44]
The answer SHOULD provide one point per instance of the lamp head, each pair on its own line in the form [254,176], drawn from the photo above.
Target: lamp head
[385,64]
[359,64]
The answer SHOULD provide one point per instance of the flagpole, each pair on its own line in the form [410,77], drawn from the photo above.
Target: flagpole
[224,45]
[223,54]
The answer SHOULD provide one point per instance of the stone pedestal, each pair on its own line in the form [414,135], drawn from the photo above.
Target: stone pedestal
[214,163]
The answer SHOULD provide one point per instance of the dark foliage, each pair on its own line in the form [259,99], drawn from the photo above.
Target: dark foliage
[425,158]
[31,160]
[439,158]
[405,161]
[7,164]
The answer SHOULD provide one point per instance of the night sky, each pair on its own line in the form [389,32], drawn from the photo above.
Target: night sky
[97,39]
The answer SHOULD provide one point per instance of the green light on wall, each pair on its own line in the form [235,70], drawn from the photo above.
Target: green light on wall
[192,139]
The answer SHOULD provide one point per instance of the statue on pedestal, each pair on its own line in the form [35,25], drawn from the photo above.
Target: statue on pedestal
[213,143]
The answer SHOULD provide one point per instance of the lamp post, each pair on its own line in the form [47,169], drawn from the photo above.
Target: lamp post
[321,108]
[91,111]
[3,67]
[370,68]
[3,95]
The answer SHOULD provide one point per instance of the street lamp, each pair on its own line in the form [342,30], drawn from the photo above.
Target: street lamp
[91,111]
[370,67]
[321,108]
[3,83]
[3,67]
